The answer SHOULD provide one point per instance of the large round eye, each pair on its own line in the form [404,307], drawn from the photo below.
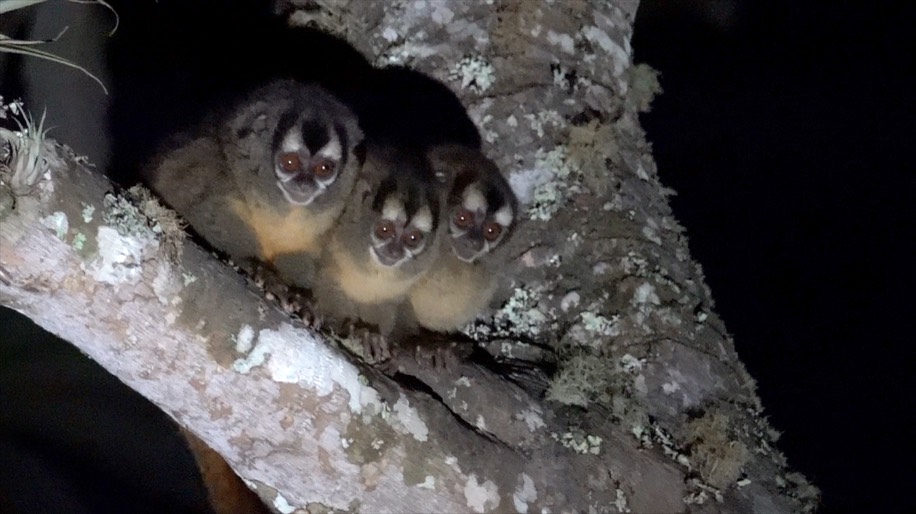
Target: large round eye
[492,230]
[324,168]
[384,229]
[289,162]
[412,238]
[463,218]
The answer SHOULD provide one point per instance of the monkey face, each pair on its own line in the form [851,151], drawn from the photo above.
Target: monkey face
[480,206]
[476,225]
[309,158]
[404,228]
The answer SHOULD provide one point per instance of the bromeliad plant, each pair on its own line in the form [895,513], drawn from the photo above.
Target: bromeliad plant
[30,47]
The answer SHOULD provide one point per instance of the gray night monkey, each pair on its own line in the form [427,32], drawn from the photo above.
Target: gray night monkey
[267,178]
[384,242]
[479,215]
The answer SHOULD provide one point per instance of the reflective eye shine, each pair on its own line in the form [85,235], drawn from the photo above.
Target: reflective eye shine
[289,162]
[492,231]
[385,229]
[463,218]
[412,238]
[324,168]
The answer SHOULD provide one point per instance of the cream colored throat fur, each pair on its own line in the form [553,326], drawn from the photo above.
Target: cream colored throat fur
[369,284]
[288,229]
[451,294]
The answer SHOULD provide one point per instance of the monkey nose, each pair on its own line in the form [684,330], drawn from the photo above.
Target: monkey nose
[390,254]
[468,248]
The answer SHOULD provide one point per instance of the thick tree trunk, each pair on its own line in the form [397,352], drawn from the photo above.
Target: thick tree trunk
[650,409]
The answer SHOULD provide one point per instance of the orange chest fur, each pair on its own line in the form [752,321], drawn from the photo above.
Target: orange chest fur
[284,230]
[368,284]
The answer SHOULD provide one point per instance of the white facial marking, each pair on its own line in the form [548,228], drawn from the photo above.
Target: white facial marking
[473,200]
[332,150]
[292,141]
[504,216]
[423,219]
[393,208]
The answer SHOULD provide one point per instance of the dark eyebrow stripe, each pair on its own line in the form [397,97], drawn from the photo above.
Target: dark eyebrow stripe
[286,122]
[344,145]
[314,135]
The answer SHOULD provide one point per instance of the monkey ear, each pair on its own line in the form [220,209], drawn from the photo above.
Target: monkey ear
[440,159]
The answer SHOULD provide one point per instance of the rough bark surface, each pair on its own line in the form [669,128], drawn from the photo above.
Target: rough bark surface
[649,410]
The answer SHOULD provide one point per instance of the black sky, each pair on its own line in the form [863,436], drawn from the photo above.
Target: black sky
[785,135]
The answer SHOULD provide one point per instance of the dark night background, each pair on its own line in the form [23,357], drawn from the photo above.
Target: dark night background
[783,128]
[784,134]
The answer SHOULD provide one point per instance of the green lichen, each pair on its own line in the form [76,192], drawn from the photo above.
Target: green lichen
[87,212]
[474,73]
[581,380]
[550,197]
[57,221]
[579,442]
[643,86]
[717,456]
[138,213]
[600,325]
[521,314]
[188,278]
[79,241]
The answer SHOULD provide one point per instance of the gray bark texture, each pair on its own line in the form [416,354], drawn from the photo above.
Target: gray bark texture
[649,408]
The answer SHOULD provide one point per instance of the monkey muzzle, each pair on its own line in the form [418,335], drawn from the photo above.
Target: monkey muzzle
[469,246]
[389,255]
[299,188]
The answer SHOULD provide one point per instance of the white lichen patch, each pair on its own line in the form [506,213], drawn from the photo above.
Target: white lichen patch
[525,182]
[549,197]
[409,419]
[295,356]
[524,493]
[428,483]
[166,288]
[87,212]
[620,501]
[244,340]
[644,294]
[620,58]
[390,35]
[480,115]
[579,443]
[635,264]
[600,325]
[569,301]
[57,221]
[670,387]
[79,241]
[481,497]
[474,73]
[282,505]
[532,418]
[520,314]
[564,41]
[545,119]
[188,278]
[441,14]
[120,258]
[631,364]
